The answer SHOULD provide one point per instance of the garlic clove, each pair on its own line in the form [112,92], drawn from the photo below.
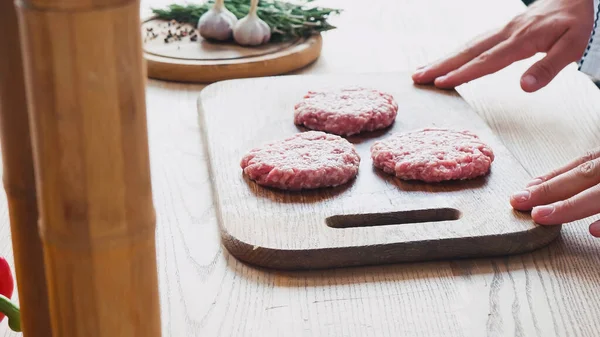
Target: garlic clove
[217,23]
[251,31]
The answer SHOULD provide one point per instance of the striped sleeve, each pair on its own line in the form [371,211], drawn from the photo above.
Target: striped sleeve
[589,63]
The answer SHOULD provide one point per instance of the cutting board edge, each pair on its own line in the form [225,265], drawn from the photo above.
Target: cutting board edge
[214,85]
[344,257]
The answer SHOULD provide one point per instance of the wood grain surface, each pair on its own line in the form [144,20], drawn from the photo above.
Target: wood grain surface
[202,61]
[86,106]
[205,291]
[294,230]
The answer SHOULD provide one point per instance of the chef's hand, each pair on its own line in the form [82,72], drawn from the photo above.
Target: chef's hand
[568,194]
[560,28]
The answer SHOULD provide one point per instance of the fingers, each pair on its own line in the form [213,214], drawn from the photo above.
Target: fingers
[591,155]
[580,206]
[567,194]
[428,74]
[560,187]
[488,62]
[500,48]
[561,54]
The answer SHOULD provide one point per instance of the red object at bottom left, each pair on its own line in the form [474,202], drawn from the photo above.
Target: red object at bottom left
[7,286]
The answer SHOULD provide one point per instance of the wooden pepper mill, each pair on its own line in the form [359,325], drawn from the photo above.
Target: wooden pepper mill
[84,77]
[19,181]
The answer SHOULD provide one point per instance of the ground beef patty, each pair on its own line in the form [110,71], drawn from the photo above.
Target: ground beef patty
[346,111]
[433,155]
[304,161]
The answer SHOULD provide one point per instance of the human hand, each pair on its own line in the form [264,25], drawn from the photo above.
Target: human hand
[567,194]
[559,28]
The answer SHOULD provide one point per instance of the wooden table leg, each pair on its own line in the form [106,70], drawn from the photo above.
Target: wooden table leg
[19,181]
[85,79]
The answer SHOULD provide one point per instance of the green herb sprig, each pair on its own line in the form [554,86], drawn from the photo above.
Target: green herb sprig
[285,19]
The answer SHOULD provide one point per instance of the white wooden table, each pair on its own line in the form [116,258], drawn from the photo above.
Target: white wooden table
[551,292]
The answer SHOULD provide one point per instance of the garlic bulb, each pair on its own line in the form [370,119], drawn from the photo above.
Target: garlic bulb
[217,23]
[251,30]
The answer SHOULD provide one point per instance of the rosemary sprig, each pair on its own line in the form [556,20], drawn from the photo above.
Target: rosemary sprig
[286,20]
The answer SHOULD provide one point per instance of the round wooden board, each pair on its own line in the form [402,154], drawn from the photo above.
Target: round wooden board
[202,61]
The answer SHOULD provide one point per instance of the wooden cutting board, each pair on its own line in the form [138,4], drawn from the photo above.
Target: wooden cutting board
[375,219]
[190,58]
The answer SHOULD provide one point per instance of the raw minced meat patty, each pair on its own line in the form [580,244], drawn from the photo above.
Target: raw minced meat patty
[306,160]
[346,111]
[433,155]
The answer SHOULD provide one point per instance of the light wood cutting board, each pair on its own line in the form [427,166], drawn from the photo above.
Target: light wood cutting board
[376,218]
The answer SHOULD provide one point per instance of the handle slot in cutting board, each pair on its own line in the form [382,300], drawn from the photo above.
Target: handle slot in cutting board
[393,218]
[267,230]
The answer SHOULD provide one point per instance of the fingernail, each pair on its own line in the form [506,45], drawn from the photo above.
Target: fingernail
[440,80]
[521,196]
[534,182]
[543,211]
[529,80]
[595,229]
